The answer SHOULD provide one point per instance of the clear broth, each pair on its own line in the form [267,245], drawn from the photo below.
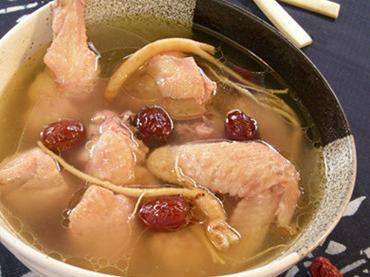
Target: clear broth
[160,254]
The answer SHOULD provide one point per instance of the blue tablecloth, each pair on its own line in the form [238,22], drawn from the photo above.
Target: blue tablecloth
[341,50]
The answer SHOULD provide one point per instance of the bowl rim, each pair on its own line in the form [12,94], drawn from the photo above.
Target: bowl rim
[282,37]
[349,136]
[279,264]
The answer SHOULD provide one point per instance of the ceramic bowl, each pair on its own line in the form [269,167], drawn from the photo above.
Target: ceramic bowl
[252,33]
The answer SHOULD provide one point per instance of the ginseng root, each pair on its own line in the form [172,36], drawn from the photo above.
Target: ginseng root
[219,232]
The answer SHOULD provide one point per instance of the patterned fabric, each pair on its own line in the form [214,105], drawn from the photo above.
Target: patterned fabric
[341,50]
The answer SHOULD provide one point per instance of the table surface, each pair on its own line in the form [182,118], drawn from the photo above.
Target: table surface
[341,50]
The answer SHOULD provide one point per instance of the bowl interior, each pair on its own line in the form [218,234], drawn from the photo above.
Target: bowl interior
[312,90]
[250,32]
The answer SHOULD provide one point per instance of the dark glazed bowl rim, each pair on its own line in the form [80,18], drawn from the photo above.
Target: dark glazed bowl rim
[342,126]
[316,94]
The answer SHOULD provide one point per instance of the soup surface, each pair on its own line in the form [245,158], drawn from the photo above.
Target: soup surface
[47,215]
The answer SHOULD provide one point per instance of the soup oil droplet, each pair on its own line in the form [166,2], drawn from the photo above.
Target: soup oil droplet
[29,238]
[159,252]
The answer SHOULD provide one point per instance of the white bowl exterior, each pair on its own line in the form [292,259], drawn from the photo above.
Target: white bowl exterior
[35,31]
[22,41]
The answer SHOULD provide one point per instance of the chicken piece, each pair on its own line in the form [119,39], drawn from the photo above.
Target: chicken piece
[239,169]
[32,185]
[112,158]
[73,64]
[113,152]
[252,217]
[105,120]
[172,81]
[200,129]
[180,78]
[99,225]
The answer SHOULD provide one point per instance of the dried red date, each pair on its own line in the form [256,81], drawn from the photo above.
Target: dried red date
[154,125]
[257,78]
[322,267]
[63,135]
[245,73]
[239,126]
[168,213]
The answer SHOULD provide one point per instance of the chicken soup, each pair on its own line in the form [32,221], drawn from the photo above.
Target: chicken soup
[173,152]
